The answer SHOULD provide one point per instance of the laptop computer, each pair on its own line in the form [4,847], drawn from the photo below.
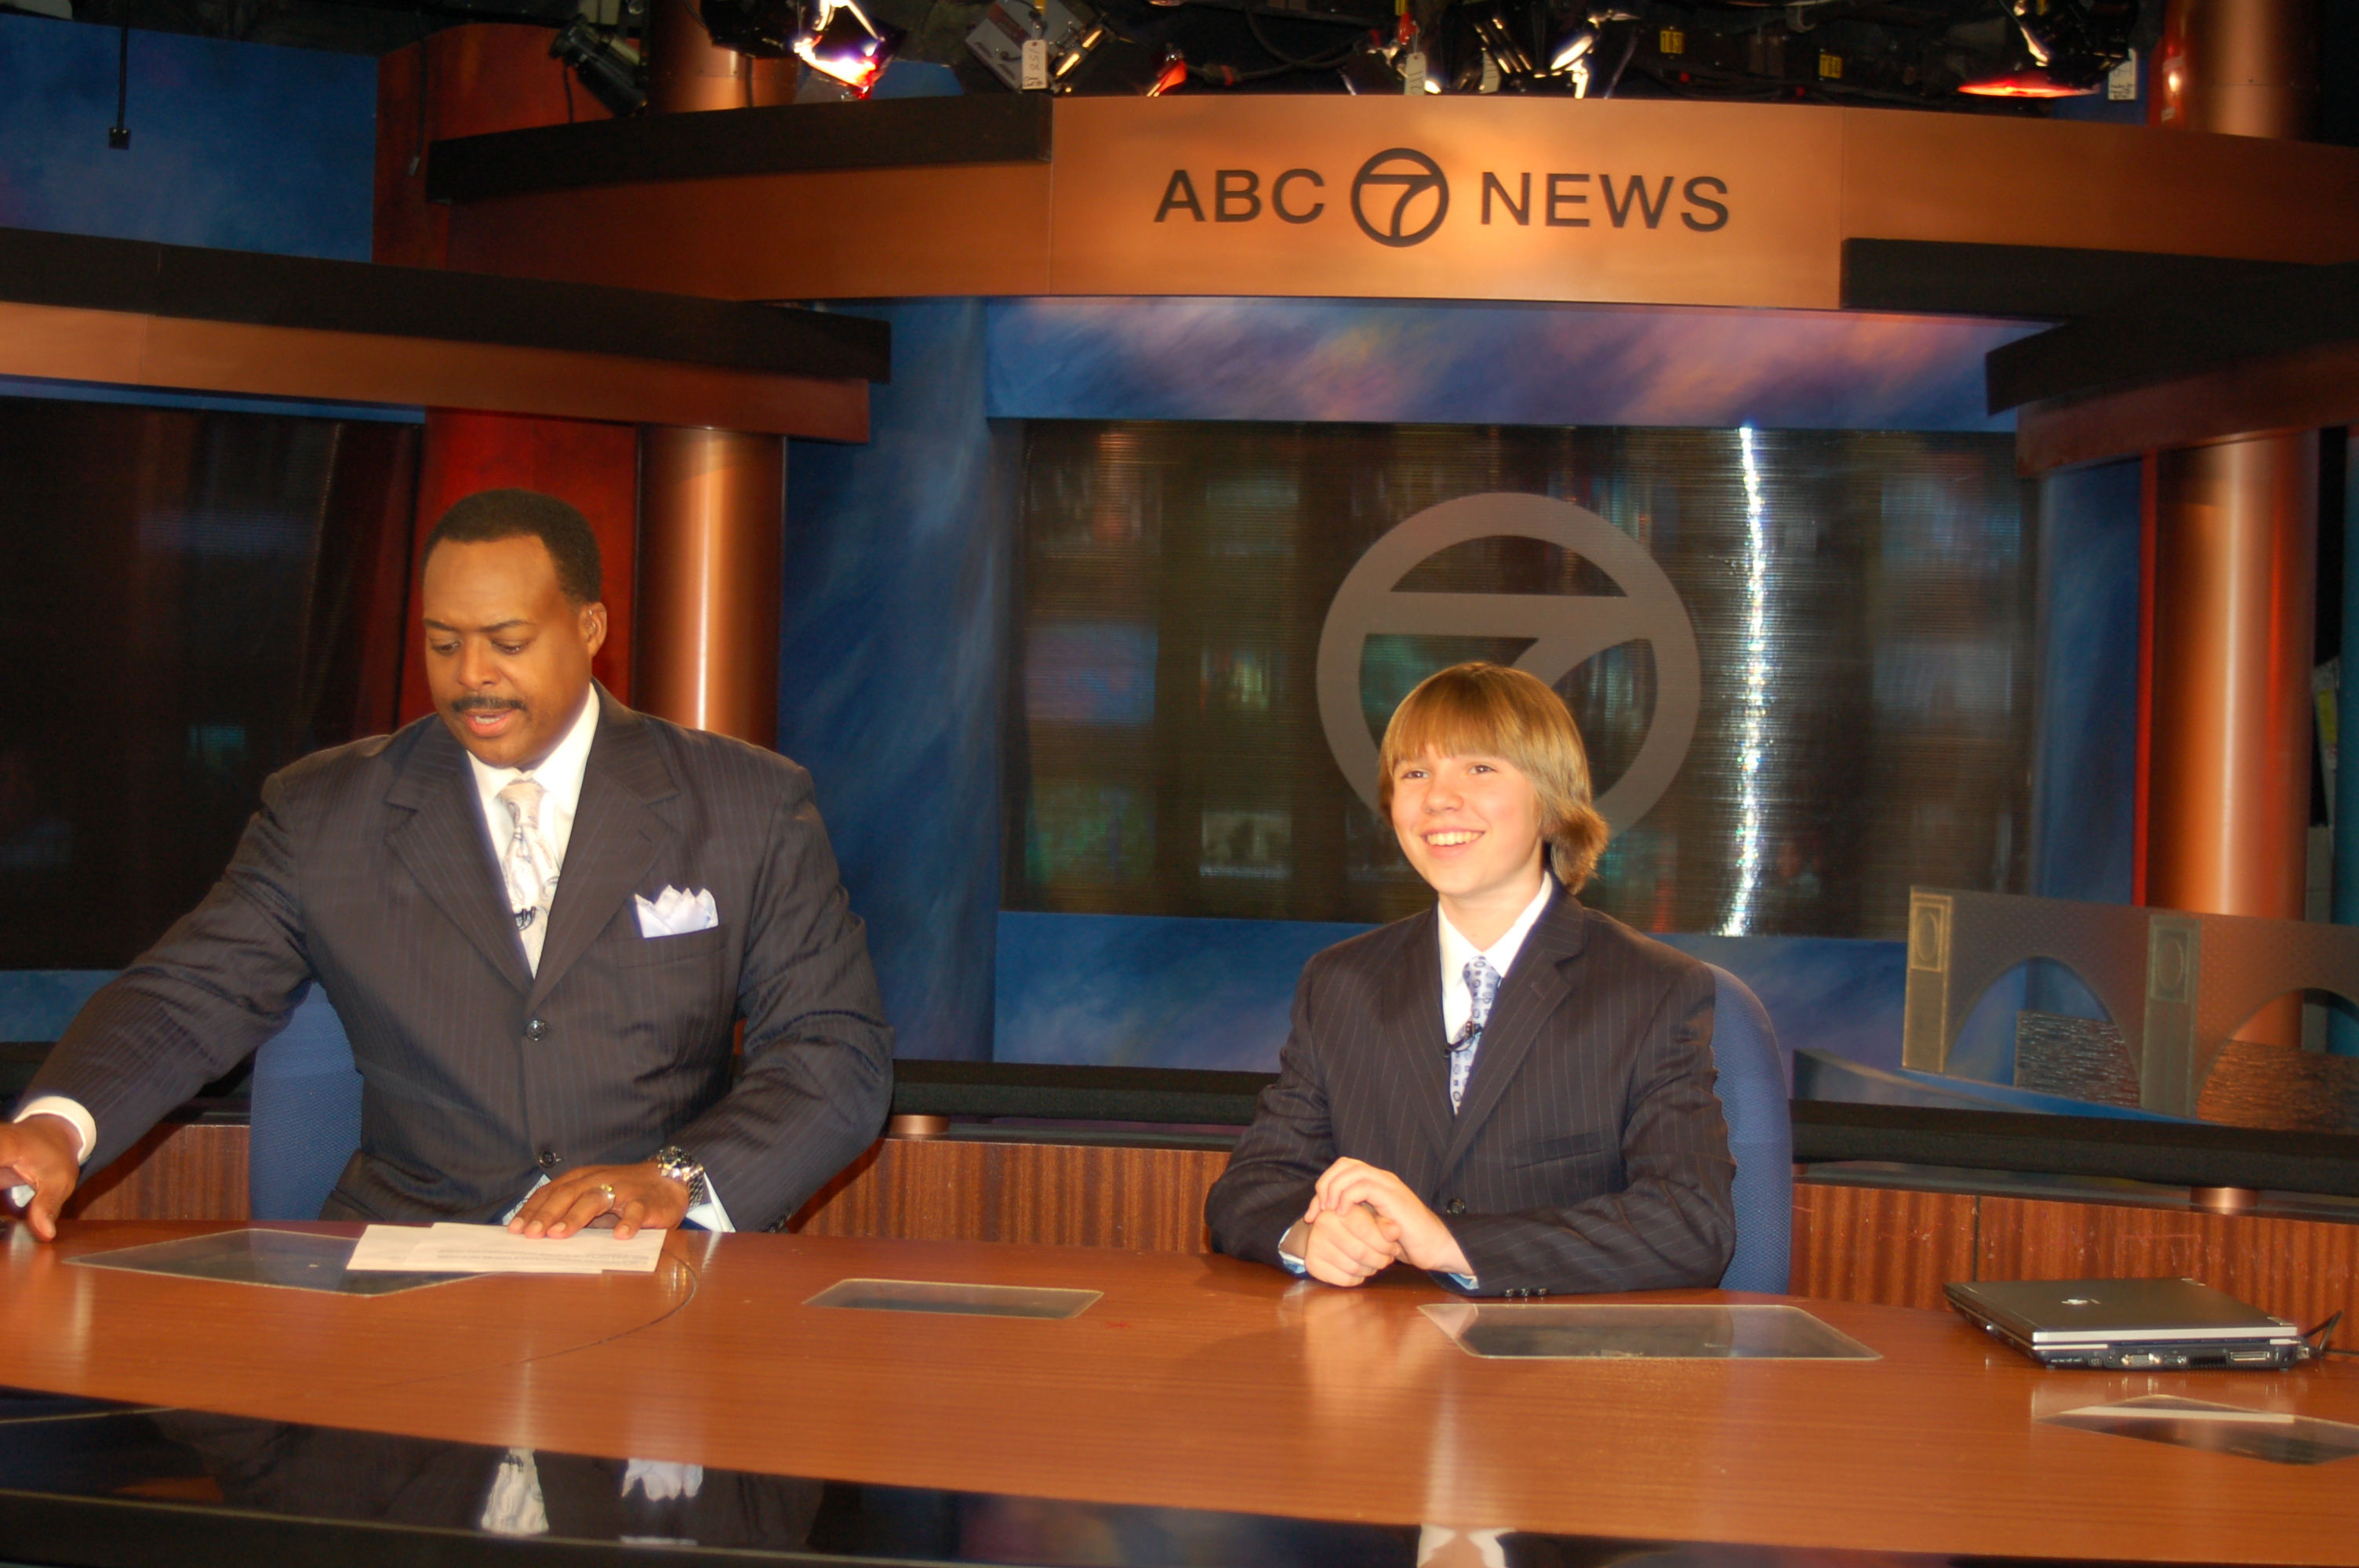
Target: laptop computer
[2128,1325]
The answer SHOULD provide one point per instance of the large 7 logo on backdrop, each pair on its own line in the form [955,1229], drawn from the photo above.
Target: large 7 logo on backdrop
[1567,630]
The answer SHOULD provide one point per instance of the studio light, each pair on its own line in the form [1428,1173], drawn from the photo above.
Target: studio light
[840,43]
[1370,73]
[1506,51]
[2062,48]
[607,66]
[1572,48]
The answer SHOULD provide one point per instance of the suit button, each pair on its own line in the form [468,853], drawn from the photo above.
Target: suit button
[550,1159]
[536,1030]
[1455,1205]
[1541,1291]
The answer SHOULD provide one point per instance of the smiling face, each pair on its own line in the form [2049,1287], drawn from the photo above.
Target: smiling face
[1471,826]
[507,654]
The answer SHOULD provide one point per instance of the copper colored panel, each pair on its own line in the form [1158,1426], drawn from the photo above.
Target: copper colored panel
[1982,179]
[476,79]
[1740,205]
[1800,178]
[288,361]
[1200,1382]
[2316,388]
[2243,68]
[688,72]
[712,521]
[855,234]
[71,345]
[2229,809]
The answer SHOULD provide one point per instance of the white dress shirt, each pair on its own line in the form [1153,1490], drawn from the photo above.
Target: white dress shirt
[560,776]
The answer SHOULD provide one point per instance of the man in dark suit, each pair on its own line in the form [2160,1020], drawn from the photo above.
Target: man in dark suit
[1510,1091]
[539,916]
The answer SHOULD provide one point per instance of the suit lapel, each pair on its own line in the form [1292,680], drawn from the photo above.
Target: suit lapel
[617,835]
[1538,983]
[1411,1012]
[442,842]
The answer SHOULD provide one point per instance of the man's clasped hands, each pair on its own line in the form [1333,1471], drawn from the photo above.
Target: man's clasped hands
[1362,1220]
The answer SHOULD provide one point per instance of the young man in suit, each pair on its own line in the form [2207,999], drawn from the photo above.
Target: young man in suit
[1509,1091]
[540,916]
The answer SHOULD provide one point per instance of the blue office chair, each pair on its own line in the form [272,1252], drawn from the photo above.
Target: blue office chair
[306,1113]
[1760,1136]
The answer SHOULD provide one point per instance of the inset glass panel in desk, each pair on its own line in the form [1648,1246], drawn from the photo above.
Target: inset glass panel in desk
[1619,1330]
[289,1259]
[968,1300]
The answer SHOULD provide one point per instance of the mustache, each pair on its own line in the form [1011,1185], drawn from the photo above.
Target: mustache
[478,702]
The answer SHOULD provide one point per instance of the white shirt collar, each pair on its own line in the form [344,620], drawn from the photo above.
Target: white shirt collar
[560,775]
[1457,952]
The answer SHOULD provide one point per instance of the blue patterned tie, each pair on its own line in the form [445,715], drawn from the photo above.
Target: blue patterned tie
[1483,986]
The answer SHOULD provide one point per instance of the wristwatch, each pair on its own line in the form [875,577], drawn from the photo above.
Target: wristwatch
[681,1166]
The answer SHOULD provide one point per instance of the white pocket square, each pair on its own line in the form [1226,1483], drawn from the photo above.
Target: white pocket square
[677,912]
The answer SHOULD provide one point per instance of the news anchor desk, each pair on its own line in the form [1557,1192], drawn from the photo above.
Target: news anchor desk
[1201,1411]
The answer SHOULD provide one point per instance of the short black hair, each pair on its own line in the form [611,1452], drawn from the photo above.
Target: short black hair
[490,514]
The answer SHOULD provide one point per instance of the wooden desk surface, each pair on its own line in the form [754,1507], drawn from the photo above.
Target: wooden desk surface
[1204,1383]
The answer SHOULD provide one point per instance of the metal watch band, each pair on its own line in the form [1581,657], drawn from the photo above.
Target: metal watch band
[681,1166]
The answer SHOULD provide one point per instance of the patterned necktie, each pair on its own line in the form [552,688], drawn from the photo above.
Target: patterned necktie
[1483,987]
[528,866]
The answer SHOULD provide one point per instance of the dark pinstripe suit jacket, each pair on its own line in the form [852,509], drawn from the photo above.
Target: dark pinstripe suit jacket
[1590,1153]
[369,870]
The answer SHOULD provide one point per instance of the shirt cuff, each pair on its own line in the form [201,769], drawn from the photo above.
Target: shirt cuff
[1287,1261]
[67,1110]
[711,1214]
[64,1109]
[1465,1281]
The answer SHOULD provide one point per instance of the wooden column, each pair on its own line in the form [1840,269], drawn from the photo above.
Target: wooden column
[711,502]
[712,518]
[2234,552]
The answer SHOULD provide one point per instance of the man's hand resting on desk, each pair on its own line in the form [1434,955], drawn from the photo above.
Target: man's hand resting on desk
[1420,1237]
[43,1152]
[640,1197]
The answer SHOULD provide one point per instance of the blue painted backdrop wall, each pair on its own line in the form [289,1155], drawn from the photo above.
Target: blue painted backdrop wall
[2084,764]
[895,647]
[244,147]
[1410,362]
[1140,990]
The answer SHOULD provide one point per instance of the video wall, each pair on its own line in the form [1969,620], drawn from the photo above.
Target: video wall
[1802,660]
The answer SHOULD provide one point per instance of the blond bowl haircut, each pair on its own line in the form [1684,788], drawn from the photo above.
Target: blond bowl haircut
[1483,710]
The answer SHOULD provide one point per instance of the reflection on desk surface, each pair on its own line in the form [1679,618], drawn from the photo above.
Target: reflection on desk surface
[77,1472]
[2278,1437]
[965,1300]
[1651,1331]
[290,1259]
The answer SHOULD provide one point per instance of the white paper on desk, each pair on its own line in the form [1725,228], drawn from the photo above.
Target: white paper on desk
[451,1249]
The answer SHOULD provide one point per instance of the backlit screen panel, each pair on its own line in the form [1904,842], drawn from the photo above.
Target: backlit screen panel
[1800,659]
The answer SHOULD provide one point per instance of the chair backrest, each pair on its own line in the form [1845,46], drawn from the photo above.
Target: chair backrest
[1760,1137]
[306,1113]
